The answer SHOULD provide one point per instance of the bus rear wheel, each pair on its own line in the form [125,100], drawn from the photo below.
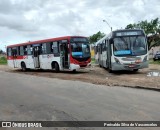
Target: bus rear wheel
[23,66]
[56,67]
[135,70]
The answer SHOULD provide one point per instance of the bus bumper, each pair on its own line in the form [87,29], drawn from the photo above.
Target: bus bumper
[76,67]
[117,66]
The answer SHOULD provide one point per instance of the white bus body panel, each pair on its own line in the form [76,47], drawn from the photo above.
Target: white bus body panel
[45,62]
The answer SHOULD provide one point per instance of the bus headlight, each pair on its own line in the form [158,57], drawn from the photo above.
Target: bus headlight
[138,61]
[117,61]
[145,58]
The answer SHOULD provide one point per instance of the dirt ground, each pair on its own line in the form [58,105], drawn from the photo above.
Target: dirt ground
[97,75]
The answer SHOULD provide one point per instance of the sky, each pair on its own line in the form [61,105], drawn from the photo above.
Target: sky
[29,20]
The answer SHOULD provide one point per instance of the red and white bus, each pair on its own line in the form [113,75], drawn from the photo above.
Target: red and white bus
[69,52]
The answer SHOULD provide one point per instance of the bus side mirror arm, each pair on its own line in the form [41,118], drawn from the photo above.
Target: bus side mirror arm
[111,41]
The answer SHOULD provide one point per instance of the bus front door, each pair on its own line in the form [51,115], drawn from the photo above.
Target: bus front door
[36,52]
[109,54]
[64,57]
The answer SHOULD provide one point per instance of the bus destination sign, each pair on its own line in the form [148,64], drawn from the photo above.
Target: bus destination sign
[128,33]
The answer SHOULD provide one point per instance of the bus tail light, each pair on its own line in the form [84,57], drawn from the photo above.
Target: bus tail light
[138,61]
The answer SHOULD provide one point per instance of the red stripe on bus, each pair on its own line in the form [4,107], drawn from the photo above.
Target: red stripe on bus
[17,57]
[43,41]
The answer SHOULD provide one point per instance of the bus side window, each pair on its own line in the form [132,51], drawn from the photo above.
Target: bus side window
[100,48]
[51,48]
[9,52]
[107,42]
[14,51]
[95,49]
[21,50]
[48,48]
[104,45]
[29,52]
[55,47]
[18,51]
[44,48]
[25,50]
[68,48]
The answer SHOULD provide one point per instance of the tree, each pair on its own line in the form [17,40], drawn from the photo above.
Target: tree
[95,37]
[1,52]
[152,28]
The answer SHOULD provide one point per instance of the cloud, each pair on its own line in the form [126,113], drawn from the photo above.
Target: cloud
[22,20]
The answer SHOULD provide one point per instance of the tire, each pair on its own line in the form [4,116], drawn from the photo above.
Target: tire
[56,67]
[109,68]
[154,59]
[23,66]
[107,64]
[74,71]
[110,71]
[135,70]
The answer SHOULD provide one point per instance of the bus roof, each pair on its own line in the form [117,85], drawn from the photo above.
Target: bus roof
[121,30]
[115,31]
[44,41]
[99,41]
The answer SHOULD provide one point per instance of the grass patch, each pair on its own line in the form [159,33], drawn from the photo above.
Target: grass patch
[154,62]
[92,60]
[3,61]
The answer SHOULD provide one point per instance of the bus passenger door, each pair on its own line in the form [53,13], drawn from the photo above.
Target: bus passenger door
[109,54]
[14,54]
[36,52]
[66,53]
[104,54]
[61,50]
[100,55]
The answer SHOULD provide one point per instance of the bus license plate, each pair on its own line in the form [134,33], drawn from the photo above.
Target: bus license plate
[131,66]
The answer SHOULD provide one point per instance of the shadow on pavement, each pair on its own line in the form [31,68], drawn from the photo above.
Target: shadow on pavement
[48,71]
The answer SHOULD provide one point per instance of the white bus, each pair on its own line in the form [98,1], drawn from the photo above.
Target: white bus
[125,49]
[69,52]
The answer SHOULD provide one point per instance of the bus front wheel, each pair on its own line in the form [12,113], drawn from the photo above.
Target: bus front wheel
[135,70]
[109,70]
[23,66]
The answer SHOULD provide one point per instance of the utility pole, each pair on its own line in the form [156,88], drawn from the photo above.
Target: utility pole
[107,24]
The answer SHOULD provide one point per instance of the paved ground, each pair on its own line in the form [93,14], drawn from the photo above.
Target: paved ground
[26,97]
[97,75]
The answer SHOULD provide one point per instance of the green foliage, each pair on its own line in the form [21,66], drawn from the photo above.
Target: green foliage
[1,51]
[3,60]
[154,62]
[152,27]
[93,60]
[95,37]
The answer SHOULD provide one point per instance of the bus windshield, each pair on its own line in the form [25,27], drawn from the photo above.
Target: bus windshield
[130,45]
[80,50]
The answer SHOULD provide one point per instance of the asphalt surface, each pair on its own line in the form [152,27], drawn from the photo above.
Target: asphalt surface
[31,98]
